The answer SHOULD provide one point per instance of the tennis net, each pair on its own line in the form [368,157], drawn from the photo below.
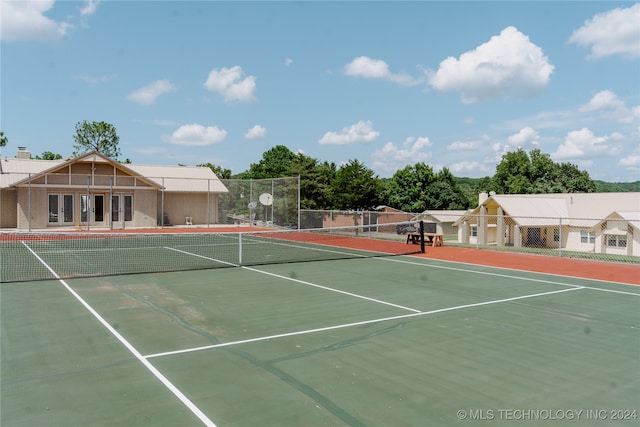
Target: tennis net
[52,255]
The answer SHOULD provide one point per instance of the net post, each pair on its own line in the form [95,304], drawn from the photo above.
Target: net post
[422,237]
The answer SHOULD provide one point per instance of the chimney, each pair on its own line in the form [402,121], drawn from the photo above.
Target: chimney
[482,197]
[23,153]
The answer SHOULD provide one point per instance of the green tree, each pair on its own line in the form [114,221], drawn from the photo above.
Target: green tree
[275,163]
[221,173]
[98,136]
[315,181]
[407,188]
[445,194]
[536,172]
[3,139]
[48,155]
[356,187]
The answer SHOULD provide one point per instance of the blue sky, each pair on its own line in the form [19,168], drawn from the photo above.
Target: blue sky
[452,84]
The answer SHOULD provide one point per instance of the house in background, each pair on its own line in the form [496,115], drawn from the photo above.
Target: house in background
[557,221]
[618,233]
[92,190]
[442,221]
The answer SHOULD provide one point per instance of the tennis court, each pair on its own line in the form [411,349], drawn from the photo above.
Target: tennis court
[350,340]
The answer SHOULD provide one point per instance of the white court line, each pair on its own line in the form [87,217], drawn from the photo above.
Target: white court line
[364,322]
[332,289]
[530,279]
[184,399]
[326,288]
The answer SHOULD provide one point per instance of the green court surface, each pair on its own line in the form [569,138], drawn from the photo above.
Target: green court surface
[392,341]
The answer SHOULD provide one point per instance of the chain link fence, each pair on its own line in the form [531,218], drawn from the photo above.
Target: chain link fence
[261,202]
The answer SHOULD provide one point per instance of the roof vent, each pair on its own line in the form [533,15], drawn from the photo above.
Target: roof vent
[23,153]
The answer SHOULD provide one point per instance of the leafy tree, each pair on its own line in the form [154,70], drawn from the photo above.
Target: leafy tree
[3,139]
[221,173]
[513,173]
[444,193]
[407,188]
[275,163]
[356,187]
[315,181]
[99,136]
[48,155]
[522,173]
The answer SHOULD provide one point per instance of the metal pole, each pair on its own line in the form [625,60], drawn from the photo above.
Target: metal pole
[298,202]
[208,201]
[111,203]
[88,202]
[162,205]
[29,204]
[560,239]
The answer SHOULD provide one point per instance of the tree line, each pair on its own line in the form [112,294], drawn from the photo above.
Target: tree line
[325,185]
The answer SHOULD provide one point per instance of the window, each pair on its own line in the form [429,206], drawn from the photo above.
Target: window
[474,231]
[128,208]
[556,234]
[53,208]
[615,241]
[586,237]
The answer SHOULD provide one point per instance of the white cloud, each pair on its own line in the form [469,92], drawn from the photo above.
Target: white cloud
[507,66]
[466,168]
[196,135]
[602,100]
[469,145]
[232,84]
[26,20]
[363,66]
[256,132]
[361,132]
[526,136]
[615,32]
[609,106]
[632,161]
[582,143]
[148,94]
[391,157]
[90,7]
[288,62]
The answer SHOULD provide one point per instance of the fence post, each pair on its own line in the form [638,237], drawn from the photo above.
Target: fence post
[560,239]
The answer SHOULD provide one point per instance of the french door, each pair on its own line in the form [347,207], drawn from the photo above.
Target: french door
[60,211]
[92,208]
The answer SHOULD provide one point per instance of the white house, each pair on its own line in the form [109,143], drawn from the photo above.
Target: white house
[92,190]
[566,221]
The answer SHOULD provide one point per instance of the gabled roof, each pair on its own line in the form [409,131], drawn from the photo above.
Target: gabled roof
[630,217]
[182,178]
[176,178]
[575,209]
[445,216]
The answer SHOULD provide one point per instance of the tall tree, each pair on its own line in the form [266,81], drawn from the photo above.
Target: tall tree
[407,188]
[275,163]
[445,194]
[315,181]
[221,173]
[536,172]
[98,136]
[3,139]
[356,187]
[48,155]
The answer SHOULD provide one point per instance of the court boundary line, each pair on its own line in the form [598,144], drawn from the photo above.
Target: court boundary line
[142,359]
[326,288]
[531,279]
[360,323]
